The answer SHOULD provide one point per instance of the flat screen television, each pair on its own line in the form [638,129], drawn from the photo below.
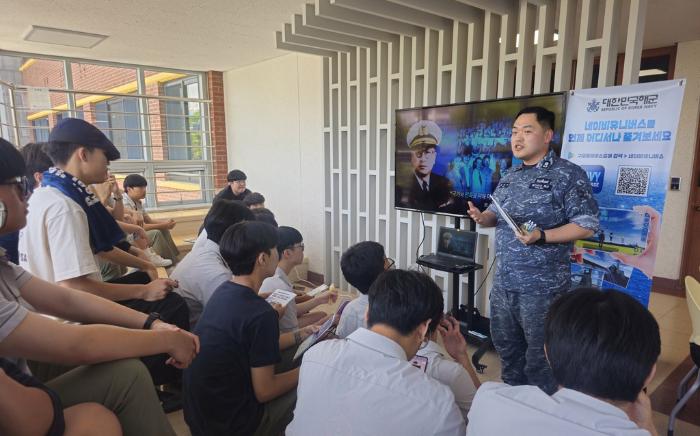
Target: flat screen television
[472,150]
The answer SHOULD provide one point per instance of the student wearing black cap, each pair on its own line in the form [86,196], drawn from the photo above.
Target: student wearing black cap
[68,226]
[236,189]
[108,375]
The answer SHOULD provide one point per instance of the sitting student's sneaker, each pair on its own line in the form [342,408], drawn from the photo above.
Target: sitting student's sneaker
[156,259]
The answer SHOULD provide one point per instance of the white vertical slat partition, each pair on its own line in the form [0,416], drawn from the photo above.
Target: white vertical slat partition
[383,55]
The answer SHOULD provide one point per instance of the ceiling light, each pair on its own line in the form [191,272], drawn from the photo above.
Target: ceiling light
[70,38]
[651,72]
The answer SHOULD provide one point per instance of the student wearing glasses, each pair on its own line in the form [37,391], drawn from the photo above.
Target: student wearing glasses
[291,254]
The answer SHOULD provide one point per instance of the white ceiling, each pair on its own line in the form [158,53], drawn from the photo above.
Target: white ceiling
[220,34]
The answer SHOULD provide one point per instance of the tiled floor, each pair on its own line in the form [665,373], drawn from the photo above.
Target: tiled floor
[674,323]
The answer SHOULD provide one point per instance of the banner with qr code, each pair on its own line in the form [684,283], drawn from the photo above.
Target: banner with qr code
[623,137]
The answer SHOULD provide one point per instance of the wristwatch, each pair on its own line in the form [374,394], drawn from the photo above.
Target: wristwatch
[543,238]
[152,317]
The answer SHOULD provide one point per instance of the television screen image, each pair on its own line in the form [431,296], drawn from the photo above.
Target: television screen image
[448,155]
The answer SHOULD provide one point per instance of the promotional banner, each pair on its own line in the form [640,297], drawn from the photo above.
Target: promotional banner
[623,137]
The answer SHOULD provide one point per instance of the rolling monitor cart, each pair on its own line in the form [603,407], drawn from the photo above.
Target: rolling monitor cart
[455,254]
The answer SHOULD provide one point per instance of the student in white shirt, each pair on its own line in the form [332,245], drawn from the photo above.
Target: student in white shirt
[364,384]
[602,347]
[450,365]
[361,265]
[108,377]
[58,243]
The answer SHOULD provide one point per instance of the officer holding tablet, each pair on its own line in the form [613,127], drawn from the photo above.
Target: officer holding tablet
[551,200]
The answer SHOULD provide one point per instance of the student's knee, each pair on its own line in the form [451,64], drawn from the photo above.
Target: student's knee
[132,373]
[84,419]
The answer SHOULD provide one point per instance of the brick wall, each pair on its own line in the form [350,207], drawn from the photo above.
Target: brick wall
[48,73]
[215,80]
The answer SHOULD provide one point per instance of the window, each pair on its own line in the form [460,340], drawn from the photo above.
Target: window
[183,121]
[157,118]
[41,129]
[118,118]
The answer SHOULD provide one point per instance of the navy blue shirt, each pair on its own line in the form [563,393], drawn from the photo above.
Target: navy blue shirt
[10,242]
[552,193]
[238,331]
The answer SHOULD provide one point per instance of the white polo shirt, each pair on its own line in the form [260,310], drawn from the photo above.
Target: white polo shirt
[364,385]
[55,244]
[444,369]
[499,408]
[353,316]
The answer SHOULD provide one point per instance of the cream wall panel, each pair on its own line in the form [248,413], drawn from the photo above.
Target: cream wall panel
[274,113]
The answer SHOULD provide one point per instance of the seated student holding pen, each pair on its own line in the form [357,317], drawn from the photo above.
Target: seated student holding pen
[361,265]
[122,386]
[232,387]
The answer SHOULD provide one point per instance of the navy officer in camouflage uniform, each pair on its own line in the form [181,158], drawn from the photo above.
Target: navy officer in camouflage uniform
[533,268]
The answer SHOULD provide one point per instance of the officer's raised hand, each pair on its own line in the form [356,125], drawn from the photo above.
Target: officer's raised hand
[485,219]
[474,212]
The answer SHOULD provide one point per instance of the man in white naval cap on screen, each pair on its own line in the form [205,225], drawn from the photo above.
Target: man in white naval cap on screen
[428,190]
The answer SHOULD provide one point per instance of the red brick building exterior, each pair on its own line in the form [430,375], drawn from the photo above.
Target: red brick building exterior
[102,78]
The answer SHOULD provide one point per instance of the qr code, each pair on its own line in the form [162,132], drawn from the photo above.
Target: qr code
[633,181]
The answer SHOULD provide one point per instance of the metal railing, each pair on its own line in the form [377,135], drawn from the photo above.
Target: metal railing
[156,141]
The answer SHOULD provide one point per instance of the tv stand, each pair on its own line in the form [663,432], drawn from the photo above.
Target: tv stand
[473,326]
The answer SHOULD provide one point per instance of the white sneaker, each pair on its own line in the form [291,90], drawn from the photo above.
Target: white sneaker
[157,260]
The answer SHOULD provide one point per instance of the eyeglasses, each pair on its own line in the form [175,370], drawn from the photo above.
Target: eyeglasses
[21,183]
[299,245]
[427,153]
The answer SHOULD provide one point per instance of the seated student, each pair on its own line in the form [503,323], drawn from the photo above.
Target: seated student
[254,200]
[112,198]
[123,386]
[364,384]
[36,163]
[232,388]
[457,374]
[158,231]
[235,190]
[602,347]
[67,224]
[265,215]
[361,265]
[291,253]
[203,269]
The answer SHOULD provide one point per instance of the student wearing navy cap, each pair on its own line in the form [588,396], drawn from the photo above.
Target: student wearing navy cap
[68,226]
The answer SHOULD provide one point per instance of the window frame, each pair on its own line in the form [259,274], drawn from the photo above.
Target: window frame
[148,166]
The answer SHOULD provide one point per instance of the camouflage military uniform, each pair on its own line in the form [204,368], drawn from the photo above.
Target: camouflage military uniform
[528,277]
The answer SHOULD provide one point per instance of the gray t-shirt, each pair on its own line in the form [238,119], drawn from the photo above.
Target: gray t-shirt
[289,321]
[199,273]
[13,308]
